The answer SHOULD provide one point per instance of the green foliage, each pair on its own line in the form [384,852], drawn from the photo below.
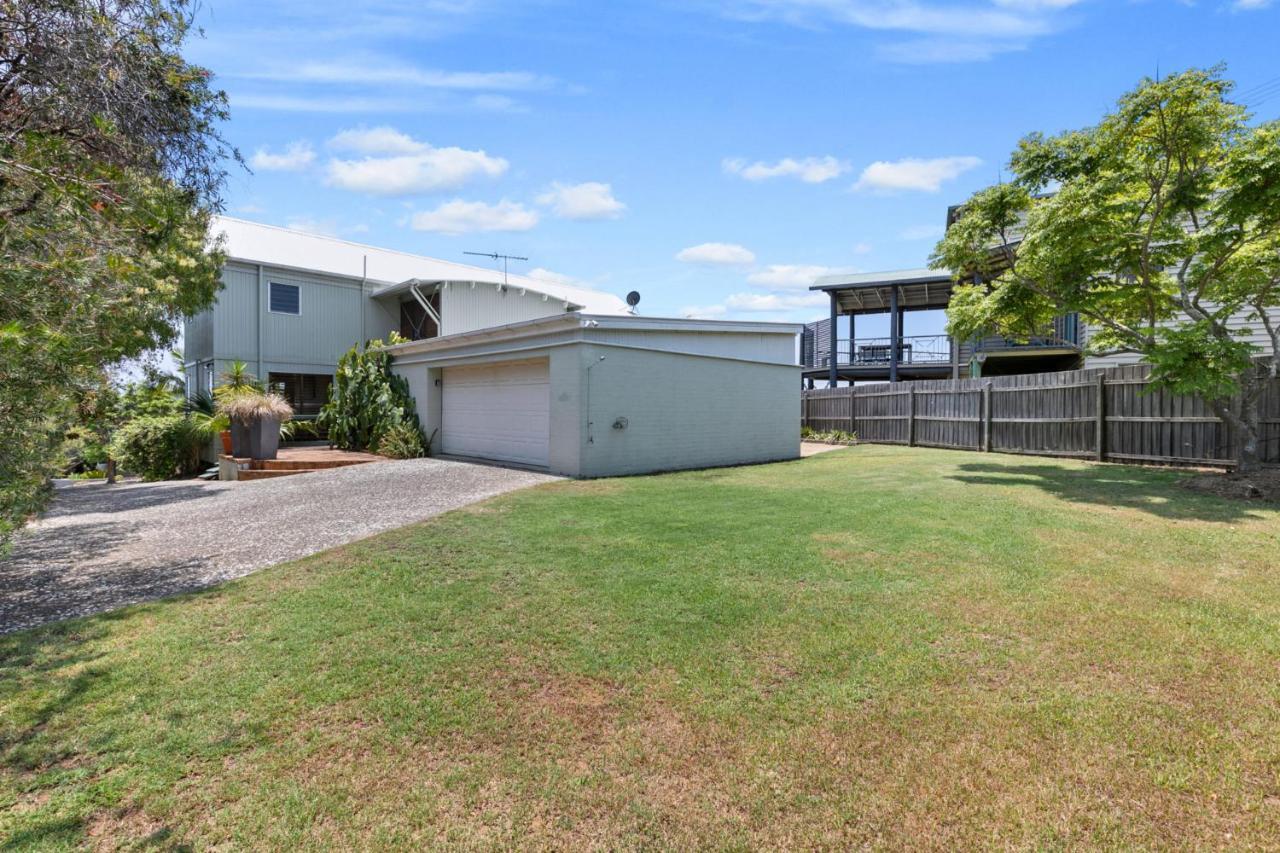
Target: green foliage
[237,379]
[366,400]
[111,164]
[1158,225]
[835,436]
[159,448]
[402,441]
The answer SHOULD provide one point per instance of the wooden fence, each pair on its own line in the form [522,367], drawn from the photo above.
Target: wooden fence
[1104,414]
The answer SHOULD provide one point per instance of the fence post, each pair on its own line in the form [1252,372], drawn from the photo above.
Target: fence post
[986,418]
[911,416]
[853,420]
[1100,408]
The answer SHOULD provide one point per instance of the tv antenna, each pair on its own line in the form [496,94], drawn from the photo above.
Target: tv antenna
[496,257]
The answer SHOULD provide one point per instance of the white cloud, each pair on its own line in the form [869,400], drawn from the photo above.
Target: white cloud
[411,166]
[1250,5]
[590,200]
[946,32]
[717,254]
[468,217]
[296,157]
[759,302]
[922,232]
[702,312]
[913,174]
[862,248]
[376,72]
[787,275]
[345,104]
[377,140]
[931,51]
[811,170]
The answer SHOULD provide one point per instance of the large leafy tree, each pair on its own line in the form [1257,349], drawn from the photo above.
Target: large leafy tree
[1160,225]
[111,163]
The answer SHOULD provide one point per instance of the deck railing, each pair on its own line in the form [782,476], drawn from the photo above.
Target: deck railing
[873,352]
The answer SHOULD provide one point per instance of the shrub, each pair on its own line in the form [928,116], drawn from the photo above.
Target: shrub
[402,441]
[366,400]
[159,448]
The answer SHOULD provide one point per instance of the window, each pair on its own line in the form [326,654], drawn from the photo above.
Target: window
[306,392]
[285,299]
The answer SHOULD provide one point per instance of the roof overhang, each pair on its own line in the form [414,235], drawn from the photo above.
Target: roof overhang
[432,285]
[527,330]
[872,293]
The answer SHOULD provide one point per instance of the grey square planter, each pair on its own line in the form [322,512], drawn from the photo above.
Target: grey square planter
[240,439]
[264,438]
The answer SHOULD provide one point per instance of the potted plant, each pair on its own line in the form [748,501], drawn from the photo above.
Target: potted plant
[236,381]
[258,417]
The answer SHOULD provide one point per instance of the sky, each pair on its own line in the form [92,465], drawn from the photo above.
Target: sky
[714,156]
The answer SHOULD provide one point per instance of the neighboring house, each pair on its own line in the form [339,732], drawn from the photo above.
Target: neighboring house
[899,356]
[540,374]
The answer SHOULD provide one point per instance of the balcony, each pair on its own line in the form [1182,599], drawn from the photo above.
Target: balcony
[875,352]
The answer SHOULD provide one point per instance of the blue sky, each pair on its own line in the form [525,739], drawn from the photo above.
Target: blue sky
[712,155]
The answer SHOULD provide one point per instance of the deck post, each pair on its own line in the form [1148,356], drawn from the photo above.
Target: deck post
[833,373]
[1100,408]
[853,318]
[895,333]
[986,418]
[911,414]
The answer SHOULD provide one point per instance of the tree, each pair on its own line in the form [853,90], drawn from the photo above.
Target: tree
[1160,226]
[111,164]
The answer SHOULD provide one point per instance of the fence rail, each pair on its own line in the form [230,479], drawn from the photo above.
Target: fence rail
[1101,413]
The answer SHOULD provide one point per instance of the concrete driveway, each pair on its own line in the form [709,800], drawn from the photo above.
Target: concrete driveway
[100,547]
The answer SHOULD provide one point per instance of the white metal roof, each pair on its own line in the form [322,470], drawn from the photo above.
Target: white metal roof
[561,322]
[284,247]
[873,279]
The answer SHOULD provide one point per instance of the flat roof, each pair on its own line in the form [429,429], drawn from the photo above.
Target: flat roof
[852,281]
[575,320]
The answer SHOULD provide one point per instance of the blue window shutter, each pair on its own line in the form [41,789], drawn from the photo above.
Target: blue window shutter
[285,298]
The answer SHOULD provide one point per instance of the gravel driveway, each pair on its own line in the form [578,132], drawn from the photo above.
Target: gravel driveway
[100,547]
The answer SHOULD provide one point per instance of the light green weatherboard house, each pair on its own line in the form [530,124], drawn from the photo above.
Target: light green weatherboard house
[530,372]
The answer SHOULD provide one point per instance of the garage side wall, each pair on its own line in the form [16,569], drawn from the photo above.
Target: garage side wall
[684,411]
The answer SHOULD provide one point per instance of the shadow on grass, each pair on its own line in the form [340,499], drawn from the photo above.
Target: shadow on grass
[1153,491]
[58,832]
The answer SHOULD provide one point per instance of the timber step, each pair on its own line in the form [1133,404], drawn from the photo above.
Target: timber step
[293,460]
[268,473]
[302,464]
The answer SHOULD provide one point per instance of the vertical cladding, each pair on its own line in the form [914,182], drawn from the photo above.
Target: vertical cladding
[328,322]
[333,316]
[1256,335]
[235,329]
[652,411]
[464,308]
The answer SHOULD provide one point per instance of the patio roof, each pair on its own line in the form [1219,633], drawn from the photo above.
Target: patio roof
[869,293]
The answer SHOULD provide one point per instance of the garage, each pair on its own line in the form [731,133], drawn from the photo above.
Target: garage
[593,395]
[497,411]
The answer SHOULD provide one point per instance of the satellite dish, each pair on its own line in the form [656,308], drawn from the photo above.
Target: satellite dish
[633,298]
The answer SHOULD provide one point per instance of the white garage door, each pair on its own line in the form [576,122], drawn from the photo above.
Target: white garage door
[497,411]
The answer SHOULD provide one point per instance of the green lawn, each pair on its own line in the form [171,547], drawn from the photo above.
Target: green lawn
[875,646]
